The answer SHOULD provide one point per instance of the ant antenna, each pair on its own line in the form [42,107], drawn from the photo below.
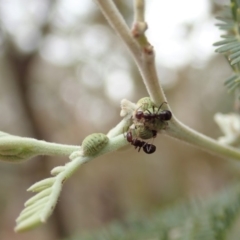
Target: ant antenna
[161,106]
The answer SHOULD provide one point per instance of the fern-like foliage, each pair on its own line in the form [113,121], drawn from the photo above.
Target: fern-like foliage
[196,220]
[39,207]
[230,45]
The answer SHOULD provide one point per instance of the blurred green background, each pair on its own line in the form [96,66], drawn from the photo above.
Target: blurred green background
[63,73]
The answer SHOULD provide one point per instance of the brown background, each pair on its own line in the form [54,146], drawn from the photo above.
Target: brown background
[64,102]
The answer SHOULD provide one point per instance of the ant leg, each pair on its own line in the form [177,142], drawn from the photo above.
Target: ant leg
[148,111]
[154,132]
[135,143]
[141,144]
[160,106]
[145,143]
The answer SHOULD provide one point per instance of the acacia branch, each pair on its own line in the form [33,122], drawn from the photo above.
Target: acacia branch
[144,57]
[140,49]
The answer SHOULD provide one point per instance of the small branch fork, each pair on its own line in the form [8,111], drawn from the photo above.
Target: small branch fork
[144,57]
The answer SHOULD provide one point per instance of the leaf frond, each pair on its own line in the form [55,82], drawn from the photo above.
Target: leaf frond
[232,83]
[210,219]
[230,45]
[38,208]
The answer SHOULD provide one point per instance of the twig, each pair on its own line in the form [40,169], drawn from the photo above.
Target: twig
[182,132]
[143,55]
[16,149]
[144,60]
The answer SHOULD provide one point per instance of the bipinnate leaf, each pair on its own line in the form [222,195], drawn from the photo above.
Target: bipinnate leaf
[40,207]
[230,45]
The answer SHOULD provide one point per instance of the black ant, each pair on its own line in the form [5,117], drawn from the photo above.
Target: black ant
[154,132]
[164,115]
[147,148]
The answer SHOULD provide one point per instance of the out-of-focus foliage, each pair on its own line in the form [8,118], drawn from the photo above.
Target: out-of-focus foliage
[210,219]
[63,72]
[230,46]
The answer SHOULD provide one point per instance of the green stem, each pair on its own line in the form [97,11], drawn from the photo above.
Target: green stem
[180,131]
[139,7]
[14,149]
[56,149]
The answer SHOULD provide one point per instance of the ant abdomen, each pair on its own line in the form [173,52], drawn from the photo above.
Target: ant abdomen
[165,115]
[149,148]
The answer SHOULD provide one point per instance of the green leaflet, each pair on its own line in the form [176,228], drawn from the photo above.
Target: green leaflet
[230,45]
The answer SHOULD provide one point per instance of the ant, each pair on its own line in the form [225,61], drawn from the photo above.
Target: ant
[154,132]
[164,115]
[147,148]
